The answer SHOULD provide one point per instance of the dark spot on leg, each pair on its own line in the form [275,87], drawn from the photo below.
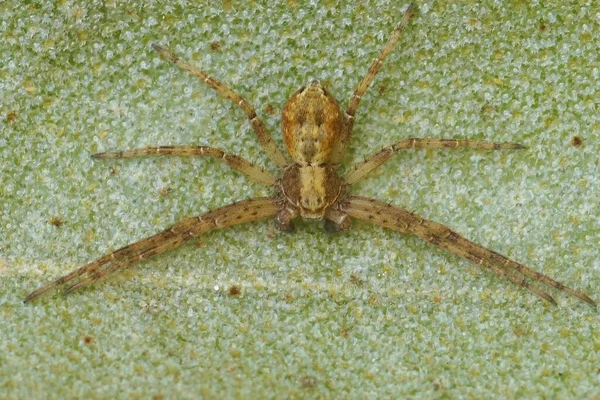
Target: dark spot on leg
[434,239]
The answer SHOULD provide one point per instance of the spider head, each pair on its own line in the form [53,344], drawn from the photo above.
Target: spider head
[311,190]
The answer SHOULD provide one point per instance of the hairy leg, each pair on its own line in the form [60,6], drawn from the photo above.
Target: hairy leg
[377,212]
[181,232]
[252,171]
[362,169]
[377,63]
[365,82]
[263,136]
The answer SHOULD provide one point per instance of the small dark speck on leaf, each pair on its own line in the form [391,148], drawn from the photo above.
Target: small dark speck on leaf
[235,291]
[56,221]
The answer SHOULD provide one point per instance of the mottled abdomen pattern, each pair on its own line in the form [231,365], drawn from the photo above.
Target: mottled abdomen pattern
[312,125]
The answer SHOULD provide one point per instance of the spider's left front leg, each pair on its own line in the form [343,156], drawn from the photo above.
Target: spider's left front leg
[385,215]
[178,234]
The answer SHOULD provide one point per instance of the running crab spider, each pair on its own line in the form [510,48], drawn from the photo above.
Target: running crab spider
[315,132]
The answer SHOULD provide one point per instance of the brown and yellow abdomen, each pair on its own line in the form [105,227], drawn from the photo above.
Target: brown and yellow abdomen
[312,123]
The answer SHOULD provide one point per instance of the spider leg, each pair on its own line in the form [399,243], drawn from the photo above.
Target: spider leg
[336,221]
[376,65]
[181,232]
[362,169]
[153,251]
[252,171]
[263,136]
[377,212]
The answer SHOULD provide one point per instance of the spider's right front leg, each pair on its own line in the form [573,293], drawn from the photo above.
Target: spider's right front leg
[252,171]
[181,232]
[395,218]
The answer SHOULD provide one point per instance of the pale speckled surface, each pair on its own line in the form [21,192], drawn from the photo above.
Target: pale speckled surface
[79,77]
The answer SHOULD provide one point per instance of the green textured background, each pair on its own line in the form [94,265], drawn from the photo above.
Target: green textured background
[366,314]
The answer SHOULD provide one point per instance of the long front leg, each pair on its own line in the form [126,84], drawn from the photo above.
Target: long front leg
[362,169]
[252,171]
[263,136]
[377,212]
[181,232]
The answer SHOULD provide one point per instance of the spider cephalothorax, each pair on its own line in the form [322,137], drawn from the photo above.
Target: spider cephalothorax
[316,132]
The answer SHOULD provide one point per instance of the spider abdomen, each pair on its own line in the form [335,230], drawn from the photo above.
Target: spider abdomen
[312,125]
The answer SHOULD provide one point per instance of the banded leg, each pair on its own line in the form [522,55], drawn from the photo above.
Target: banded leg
[252,171]
[376,66]
[181,232]
[385,215]
[362,169]
[263,136]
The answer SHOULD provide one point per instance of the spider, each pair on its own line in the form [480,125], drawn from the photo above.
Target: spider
[315,133]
